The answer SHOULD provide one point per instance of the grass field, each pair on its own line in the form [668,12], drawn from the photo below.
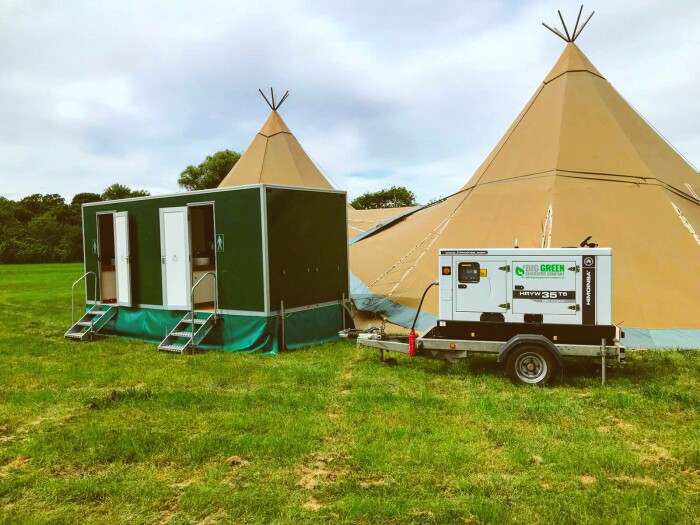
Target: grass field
[115,432]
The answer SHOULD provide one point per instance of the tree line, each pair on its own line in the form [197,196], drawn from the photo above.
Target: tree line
[44,228]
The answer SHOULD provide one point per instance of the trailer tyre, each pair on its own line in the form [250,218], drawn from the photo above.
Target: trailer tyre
[531,365]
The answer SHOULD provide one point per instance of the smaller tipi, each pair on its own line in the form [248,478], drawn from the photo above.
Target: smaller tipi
[276,157]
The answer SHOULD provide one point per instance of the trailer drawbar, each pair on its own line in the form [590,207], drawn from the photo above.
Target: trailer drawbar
[531,307]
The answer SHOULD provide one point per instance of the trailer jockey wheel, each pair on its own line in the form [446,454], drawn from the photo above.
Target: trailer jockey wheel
[531,365]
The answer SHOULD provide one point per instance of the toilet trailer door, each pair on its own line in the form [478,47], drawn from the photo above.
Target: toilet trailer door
[122,258]
[175,257]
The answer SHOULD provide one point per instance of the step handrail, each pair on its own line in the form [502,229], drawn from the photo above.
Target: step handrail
[72,294]
[216,299]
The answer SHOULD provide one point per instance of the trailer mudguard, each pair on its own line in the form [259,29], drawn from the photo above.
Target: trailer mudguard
[532,339]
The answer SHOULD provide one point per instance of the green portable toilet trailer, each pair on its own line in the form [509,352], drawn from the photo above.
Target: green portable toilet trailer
[271,262]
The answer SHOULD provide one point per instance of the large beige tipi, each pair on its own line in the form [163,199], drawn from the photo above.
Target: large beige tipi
[577,161]
[360,221]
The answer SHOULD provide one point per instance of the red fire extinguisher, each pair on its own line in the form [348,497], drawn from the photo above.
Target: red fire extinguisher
[412,343]
[412,351]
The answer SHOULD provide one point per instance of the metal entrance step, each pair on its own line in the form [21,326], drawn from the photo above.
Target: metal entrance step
[181,334]
[172,348]
[188,319]
[188,333]
[194,326]
[91,322]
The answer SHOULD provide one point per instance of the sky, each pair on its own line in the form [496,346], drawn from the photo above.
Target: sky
[409,93]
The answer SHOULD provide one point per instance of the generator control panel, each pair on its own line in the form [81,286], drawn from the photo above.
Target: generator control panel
[468,272]
[555,285]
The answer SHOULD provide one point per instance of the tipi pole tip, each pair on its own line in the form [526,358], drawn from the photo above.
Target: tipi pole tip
[570,37]
[555,32]
[272,101]
[283,99]
[584,25]
[578,19]
[264,97]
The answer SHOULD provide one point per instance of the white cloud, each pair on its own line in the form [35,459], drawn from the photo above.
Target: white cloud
[405,93]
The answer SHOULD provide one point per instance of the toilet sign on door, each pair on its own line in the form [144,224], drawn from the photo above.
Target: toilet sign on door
[220,242]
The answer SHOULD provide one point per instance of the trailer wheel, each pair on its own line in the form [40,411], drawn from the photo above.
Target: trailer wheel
[531,365]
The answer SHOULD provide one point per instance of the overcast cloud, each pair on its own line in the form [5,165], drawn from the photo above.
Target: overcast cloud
[382,93]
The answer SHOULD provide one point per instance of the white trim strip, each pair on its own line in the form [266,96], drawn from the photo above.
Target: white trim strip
[237,312]
[221,310]
[686,223]
[347,252]
[85,255]
[547,229]
[213,190]
[692,191]
[265,254]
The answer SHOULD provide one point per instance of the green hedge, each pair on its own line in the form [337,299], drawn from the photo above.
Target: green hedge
[40,229]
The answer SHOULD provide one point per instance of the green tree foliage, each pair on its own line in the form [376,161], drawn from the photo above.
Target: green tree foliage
[209,173]
[40,228]
[435,200]
[119,191]
[394,197]
[44,228]
[84,198]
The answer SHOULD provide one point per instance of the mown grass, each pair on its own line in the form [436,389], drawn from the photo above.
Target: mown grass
[115,432]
